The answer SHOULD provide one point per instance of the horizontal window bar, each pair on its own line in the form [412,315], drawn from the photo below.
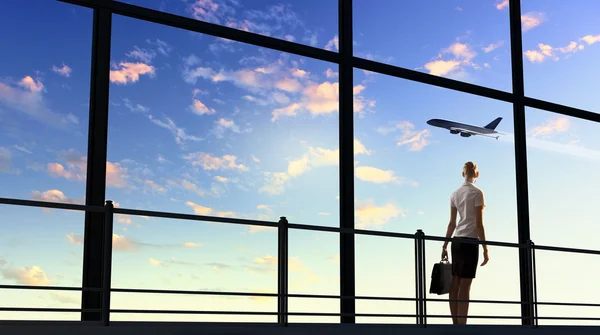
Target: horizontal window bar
[50,310]
[561,109]
[399,72]
[47,204]
[49,288]
[202,27]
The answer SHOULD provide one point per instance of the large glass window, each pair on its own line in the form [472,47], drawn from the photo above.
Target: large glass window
[563,156]
[249,134]
[466,41]
[561,46]
[44,95]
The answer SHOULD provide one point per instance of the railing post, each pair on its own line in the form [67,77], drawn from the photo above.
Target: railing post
[282,272]
[108,234]
[534,284]
[419,277]
[423,280]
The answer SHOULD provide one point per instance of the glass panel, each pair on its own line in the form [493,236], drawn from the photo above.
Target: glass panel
[407,167]
[44,94]
[561,46]
[26,231]
[309,22]
[385,267]
[194,256]
[314,269]
[564,277]
[249,135]
[563,156]
[466,41]
[498,280]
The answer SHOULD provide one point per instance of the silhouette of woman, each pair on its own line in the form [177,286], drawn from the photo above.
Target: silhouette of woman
[468,201]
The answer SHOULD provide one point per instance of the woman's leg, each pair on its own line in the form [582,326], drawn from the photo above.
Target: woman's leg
[454,289]
[464,291]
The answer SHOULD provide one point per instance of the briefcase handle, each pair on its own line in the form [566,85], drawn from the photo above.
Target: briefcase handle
[445,260]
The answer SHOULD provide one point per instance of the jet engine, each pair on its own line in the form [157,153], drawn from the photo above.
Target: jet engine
[465,134]
[454,131]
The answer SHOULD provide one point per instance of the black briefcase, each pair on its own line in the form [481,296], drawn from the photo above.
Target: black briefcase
[441,278]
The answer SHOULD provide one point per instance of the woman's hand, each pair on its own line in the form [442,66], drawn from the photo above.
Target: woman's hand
[486,257]
[444,254]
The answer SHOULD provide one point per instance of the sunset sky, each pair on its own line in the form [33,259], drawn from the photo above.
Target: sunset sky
[204,125]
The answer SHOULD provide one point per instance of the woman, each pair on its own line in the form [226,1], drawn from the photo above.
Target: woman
[469,202]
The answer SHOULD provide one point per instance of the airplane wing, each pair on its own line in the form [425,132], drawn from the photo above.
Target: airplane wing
[473,133]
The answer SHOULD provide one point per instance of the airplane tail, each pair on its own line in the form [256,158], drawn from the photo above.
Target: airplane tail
[492,125]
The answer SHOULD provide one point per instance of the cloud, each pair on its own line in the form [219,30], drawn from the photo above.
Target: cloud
[163,47]
[27,96]
[299,73]
[329,73]
[591,39]
[546,50]
[221,179]
[288,85]
[371,216]
[143,55]
[209,162]
[136,107]
[502,4]
[200,108]
[74,239]
[206,211]
[415,140]
[31,276]
[333,43]
[551,127]
[461,56]
[123,243]
[192,245]
[64,70]
[531,20]
[493,46]
[255,159]
[360,149]
[54,196]
[154,186]
[222,124]
[375,175]
[274,182]
[127,72]
[180,135]
[76,169]
[187,185]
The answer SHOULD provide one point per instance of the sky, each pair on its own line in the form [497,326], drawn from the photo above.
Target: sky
[204,125]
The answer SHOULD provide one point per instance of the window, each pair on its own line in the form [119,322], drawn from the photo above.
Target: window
[561,46]
[44,95]
[308,22]
[466,41]
[563,155]
[248,134]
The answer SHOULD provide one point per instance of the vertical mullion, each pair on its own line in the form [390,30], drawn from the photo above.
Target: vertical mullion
[93,245]
[346,139]
[520,158]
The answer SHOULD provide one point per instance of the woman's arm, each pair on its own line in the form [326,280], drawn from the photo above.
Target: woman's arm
[451,225]
[481,233]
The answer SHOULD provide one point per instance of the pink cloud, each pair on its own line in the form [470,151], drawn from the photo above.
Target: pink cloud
[531,20]
[127,72]
[76,170]
[31,84]
[501,5]
[289,85]
[64,70]
[200,108]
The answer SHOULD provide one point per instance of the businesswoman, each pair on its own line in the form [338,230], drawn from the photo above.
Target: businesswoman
[468,201]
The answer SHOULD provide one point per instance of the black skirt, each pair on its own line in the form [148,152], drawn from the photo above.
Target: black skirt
[465,257]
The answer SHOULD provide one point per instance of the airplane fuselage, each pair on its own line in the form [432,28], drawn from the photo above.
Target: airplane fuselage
[457,125]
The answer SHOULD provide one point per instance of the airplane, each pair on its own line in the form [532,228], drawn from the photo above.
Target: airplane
[467,130]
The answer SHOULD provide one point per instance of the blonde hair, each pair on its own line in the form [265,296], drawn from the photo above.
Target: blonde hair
[470,170]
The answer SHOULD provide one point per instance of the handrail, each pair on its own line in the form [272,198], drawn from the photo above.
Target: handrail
[53,205]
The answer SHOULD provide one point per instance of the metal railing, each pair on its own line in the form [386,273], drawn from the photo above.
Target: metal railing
[283,294]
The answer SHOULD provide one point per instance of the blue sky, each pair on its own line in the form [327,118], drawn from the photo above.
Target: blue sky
[203,125]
